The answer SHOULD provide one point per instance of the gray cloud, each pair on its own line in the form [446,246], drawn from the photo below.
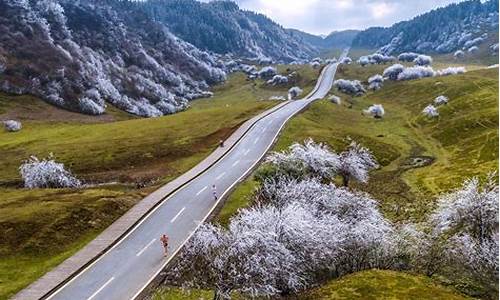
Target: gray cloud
[325,16]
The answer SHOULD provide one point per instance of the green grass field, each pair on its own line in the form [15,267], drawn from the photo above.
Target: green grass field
[132,156]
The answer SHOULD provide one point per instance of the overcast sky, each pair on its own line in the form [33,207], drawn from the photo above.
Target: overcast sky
[325,16]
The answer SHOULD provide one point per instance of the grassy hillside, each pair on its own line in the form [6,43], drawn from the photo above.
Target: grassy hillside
[128,156]
[420,158]
[382,285]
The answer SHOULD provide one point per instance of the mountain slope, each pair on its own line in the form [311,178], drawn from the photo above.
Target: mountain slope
[336,39]
[221,27]
[442,30]
[81,55]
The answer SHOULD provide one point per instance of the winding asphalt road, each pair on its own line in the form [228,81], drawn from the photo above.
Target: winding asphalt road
[129,266]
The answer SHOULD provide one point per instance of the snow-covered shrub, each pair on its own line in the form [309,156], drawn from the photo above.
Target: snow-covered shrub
[458,54]
[294,92]
[46,173]
[307,160]
[493,49]
[249,69]
[278,80]
[376,58]
[376,110]
[423,60]
[12,125]
[88,106]
[408,56]
[335,99]
[473,42]
[416,72]
[473,49]
[355,163]
[430,111]
[364,60]
[451,71]
[346,60]
[375,82]
[315,65]
[331,60]
[352,87]
[393,71]
[317,59]
[440,100]
[267,72]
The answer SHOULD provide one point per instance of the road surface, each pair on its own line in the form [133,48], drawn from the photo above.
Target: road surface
[131,264]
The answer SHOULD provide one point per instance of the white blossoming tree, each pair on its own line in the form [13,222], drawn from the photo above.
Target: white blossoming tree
[12,125]
[305,160]
[46,173]
[355,163]
[468,219]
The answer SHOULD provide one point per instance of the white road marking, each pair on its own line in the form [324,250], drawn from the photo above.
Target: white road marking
[220,176]
[246,152]
[101,288]
[177,215]
[236,162]
[145,247]
[201,191]
[256,140]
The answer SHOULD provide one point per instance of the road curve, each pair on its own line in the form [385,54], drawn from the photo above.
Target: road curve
[133,262]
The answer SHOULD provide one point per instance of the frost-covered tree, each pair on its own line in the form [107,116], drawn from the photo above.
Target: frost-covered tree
[305,160]
[375,82]
[294,92]
[393,71]
[416,72]
[355,163]
[46,173]
[493,49]
[468,219]
[451,71]
[458,54]
[375,58]
[315,65]
[346,60]
[267,72]
[408,56]
[440,100]
[473,42]
[430,111]
[335,99]
[423,60]
[375,110]
[473,49]
[352,87]
[278,80]
[12,125]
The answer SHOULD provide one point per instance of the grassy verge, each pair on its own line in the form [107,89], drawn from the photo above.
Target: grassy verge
[41,228]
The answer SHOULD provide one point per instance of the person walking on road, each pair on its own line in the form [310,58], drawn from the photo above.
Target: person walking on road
[164,242]
[214,192]
[221,143]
